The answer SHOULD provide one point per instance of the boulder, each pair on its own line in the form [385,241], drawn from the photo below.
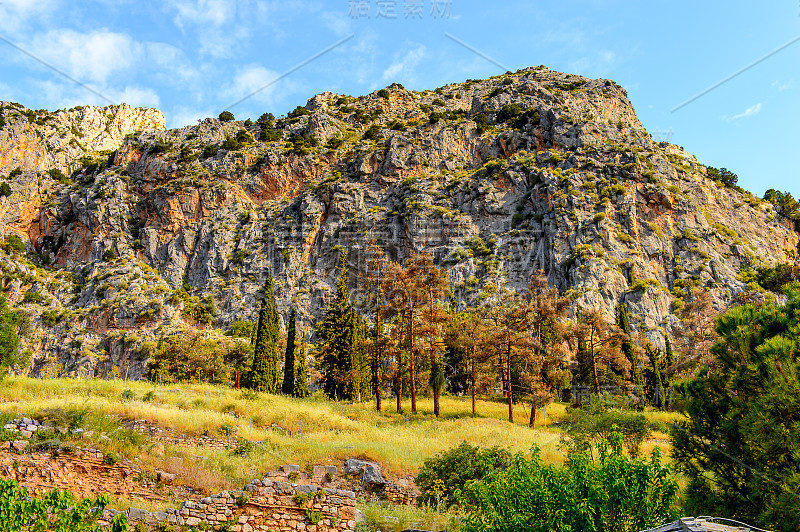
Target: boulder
[370,472]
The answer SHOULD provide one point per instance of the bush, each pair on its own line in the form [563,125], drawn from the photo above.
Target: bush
[109,255]
[210,150]
[243,137]
[372,133]
[334,143]
[5,189]
[57,175]
[32,297]
[593,422]
[383,93]
[302,143]
[15,172]
[226,116]
[299,111]
[616,493]
[442,477]
[14,244]
[55,510]
[481,122]
[230,144]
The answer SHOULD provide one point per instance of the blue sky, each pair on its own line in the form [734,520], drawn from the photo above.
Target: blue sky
[193,58]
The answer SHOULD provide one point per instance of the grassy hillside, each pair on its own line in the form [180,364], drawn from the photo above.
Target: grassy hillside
[315,430]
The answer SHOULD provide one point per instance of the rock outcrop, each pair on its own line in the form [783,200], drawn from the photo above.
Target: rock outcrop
[497,179]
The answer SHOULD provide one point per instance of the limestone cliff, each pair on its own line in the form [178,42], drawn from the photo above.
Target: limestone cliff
[495,178]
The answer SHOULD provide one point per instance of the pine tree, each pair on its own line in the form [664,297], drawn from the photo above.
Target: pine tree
[740,440]
[288,362]
[264,371]
[300,370]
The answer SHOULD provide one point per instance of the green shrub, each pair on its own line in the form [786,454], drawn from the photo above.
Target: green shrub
[51,317]
[210,150]
[302,497]
[243,137]
[54,510]
[241,329]
[15,172]
[478,246]
[334,143]
[302,143]
[596,421]
[615,493]
[372,133]
[299,111]
[383,93]
[313,516]
[230,144]
[481,122]
[442,477]
[226,116]
[32,297]
[435,117]
[109,255]
[5,189]
[14,244]
[57,175]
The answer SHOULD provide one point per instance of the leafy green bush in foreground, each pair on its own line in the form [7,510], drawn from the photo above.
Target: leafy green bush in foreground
[57,511]
[617,493]
[442,477]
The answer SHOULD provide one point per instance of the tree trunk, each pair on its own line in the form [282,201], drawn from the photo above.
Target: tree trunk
[594,371]
[413,361]
[376,381]
[399,381]
[510,395]
[473,382]
[532,421]
[435,386]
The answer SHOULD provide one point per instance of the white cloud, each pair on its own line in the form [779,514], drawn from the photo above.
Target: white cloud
[750,111]
[17,15]
[171,60]
[185,116]
[599,63]
[337,22]
[203,12]
[403,68]
[252,78]
[781,86]
[93,57]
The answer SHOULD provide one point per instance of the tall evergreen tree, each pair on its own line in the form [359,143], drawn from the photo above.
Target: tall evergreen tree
[264,371]
[288,363]
[300,370]
[655,383]
[666,375]
[626,346]
[341,337]
[739,444]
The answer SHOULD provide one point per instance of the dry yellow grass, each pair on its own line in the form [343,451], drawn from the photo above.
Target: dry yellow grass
[315,431]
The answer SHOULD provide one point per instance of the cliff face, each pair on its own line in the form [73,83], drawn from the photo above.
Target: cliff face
[560,176]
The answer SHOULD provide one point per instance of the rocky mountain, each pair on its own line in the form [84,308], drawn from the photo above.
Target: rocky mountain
[497,179]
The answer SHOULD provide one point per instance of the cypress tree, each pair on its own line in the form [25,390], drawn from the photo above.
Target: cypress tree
[669,360]
[627,346]
[655,367]
[288,363]
[264,371]
[300,371]
[339,346]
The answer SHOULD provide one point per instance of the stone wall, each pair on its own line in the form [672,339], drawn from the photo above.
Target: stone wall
[263,505]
